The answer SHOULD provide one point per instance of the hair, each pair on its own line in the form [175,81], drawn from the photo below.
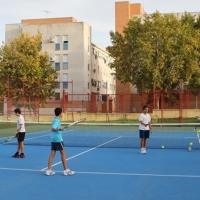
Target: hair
[17,110]
[58,111]
[144,107]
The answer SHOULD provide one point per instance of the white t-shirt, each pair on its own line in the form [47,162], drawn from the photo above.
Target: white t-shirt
[21,121]
[146,119]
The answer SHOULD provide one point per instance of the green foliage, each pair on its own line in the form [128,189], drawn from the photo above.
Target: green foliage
[158,49]
[26,71]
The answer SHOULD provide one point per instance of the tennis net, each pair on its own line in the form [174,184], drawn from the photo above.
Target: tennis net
[173,135]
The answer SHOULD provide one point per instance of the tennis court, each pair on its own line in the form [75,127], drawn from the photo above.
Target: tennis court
[107,162]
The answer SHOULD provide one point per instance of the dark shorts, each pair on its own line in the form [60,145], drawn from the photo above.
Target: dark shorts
[57,146]
[144,133]
[21,136]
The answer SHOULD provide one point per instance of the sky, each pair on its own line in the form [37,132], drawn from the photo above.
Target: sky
[99,14]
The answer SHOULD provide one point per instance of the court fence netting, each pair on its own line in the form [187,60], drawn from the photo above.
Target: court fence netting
[106,135]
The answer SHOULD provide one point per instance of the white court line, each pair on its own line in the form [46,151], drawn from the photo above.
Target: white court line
[38,132]
[24,140]
[110,173]
[26,134]
[83,152]
[30,138]
[41,136]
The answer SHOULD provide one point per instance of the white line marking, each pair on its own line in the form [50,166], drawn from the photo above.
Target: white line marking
[83,152]
[33,133]
[15,169]
[25,139]
[130,174]
[108,173]
[30,138]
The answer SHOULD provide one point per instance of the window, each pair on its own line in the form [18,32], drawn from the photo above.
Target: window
[65,42]
[57,66]
[104,85]
[88,85]
[99,98]
[99,84]
[88,67]
[57,62]
[57,42]
[65,80]
[65,61]
[104,97]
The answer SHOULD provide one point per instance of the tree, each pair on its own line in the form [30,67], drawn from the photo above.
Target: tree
[194,84]
[158,49]
[26,71]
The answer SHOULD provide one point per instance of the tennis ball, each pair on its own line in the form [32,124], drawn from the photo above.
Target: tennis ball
[163,147]
[191,143]
[8,118]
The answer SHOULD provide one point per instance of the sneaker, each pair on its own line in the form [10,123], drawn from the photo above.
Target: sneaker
[142,150]
[16,155]
[68,172]
[50,172]
[22,155]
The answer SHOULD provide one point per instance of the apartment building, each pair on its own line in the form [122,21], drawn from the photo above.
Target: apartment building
[124,11]
[83,67]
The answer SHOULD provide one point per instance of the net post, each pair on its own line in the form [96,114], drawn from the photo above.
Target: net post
[72,101]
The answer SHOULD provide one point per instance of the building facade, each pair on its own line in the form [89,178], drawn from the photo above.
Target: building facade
[83,67]
[124,11]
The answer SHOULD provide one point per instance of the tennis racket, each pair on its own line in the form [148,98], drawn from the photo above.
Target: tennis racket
[198,139]
[154,119]
[10,138]
[76,122]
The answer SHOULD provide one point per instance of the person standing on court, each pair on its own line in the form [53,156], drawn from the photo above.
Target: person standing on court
[144,128]
[57,144]
[20,133]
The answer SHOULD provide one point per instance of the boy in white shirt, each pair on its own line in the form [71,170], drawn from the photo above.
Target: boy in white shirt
[144,128]
[20,133]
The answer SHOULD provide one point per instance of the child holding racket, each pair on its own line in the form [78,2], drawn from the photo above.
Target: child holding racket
[20,133]
[57,144]
[144,128]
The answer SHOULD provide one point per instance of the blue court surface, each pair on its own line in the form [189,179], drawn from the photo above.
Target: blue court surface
[109,173]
